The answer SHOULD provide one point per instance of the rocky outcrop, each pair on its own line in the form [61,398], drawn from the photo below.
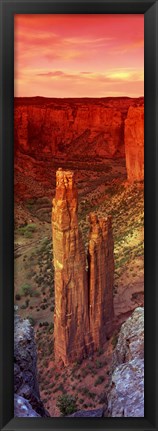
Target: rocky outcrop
[101,276]
[83,300]
[126,395]
[71,288]
[71,127]
[95,413]
[134,143]
[25,367]
[22,408]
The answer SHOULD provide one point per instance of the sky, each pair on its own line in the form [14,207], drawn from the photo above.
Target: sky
[79,55]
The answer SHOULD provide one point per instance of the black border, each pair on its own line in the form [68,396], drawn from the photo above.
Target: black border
[7,10]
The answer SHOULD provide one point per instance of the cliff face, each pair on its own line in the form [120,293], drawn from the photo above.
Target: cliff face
[27,398]
[71,127]
[134,143]
[83,300]
[126,396]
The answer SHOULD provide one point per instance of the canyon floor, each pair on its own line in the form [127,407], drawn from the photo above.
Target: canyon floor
[102,187]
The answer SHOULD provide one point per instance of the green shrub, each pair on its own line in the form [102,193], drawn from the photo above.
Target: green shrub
[60,387]
[23,307]
[27,230]
[92,395]
[99,380]
[114,340]
[36,294]
[100,351]
[84,372]
[31,320]
[57,376]
[31,201]
[51,327]
[99,364]
[66,404]
[26,289]
[17,297]
[27,302]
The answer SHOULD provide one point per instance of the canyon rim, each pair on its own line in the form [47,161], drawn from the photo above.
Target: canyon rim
[79,215]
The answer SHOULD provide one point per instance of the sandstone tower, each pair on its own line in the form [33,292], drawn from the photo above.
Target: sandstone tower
[101,276]
[83,299]
[71,288]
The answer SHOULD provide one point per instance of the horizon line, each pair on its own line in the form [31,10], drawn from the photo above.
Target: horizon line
[81,97]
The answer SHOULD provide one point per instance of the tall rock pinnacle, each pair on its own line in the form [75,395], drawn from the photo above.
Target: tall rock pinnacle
[101,276]
[71,288]
[83,300]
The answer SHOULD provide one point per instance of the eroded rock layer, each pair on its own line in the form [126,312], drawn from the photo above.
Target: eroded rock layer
[83,299]
[134,143]
[101,276]
[71,128]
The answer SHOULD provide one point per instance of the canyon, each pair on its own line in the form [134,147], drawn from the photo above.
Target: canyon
[69,128]
[83,299]
[87,155]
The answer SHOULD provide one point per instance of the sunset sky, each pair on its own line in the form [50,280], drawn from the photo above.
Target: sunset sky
[79,55]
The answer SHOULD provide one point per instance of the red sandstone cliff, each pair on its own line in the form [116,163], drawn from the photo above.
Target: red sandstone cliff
[71,127]
[134,143]
[83,301]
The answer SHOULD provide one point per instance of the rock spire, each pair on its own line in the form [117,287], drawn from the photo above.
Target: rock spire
[83,299]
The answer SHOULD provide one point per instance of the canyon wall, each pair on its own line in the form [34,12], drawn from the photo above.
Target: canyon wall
[71,128]
[134,143]
[83,299]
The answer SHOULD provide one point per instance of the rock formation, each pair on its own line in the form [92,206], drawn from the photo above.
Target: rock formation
[126,394]
[83,300]
[93,413]
[25,370]
[71,288]
[101,276]
[134,143]
[76,127]
[22,408]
